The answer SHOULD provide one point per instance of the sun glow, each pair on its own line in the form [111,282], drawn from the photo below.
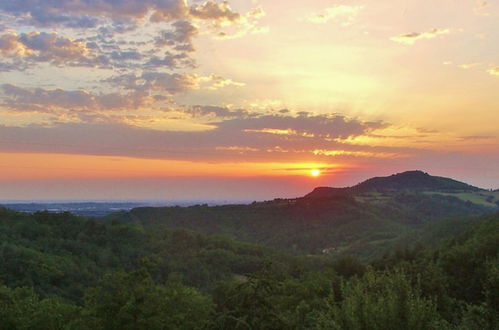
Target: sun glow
[69,166]
[315,172]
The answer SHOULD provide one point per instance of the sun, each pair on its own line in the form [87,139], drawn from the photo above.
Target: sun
[315,172]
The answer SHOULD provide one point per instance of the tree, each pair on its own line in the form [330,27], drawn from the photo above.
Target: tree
[133,301]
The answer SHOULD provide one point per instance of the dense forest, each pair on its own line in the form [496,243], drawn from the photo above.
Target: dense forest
[60,271]
[364,221]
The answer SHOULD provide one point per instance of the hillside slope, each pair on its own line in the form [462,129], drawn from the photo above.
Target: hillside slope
[362,220]
[408,181]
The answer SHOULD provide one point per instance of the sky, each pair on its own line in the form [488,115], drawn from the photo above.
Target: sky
[242,99]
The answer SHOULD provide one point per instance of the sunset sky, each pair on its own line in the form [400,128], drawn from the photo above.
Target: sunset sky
[240,99]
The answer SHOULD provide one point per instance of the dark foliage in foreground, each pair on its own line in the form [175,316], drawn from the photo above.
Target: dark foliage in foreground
[59,271]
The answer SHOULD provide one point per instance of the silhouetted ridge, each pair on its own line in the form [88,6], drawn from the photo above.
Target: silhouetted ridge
[321,192]
[410,180]
[413,180]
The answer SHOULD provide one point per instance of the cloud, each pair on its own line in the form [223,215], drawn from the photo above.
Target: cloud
[170,83]
[215,111]
[169,10]
[230,139]
[464,66]
[467,66]
[240,30]
[180,38]
[125,13]
[144,89]
[216,82]
[494,71]
[369,154]
[150,68]
[131,55]
[239,26]
[85,14]
[328,127]
[49,47]
[213,11]
[477,137]
[347,14]
[27,49]
[482,8]
[13,66]
[171,61]
[109,32]
[10,45]
[411,38]
[57,100]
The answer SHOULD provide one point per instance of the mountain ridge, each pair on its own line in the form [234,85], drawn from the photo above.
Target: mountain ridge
[363,220]
[415,180]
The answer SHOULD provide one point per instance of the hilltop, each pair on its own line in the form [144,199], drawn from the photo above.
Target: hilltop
[408,181]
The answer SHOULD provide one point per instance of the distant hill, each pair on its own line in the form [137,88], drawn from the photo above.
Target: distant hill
[410,181]
[363,220]
[414,180]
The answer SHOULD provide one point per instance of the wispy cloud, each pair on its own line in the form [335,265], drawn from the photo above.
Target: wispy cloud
[467,66]
[494,71]
[151,89]
[58,100]
[343,13]
[369,154]
[481,8]
[411,38]
[252,137]
[170,83]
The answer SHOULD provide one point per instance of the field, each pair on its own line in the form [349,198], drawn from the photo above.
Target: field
[484,198]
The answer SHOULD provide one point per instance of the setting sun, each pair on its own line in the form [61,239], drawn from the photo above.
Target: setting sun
[315,172]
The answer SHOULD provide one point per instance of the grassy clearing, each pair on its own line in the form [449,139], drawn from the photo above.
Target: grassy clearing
[485,198]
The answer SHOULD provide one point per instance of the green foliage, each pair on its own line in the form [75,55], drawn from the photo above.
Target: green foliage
[133,301]
[266,301]
[363,224]
[248,305]
[63,254]
[381,301]
[65,272]
[21,308]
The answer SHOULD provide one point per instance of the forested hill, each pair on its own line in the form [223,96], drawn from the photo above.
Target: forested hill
[364,220]
[409,181]
[415,180]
